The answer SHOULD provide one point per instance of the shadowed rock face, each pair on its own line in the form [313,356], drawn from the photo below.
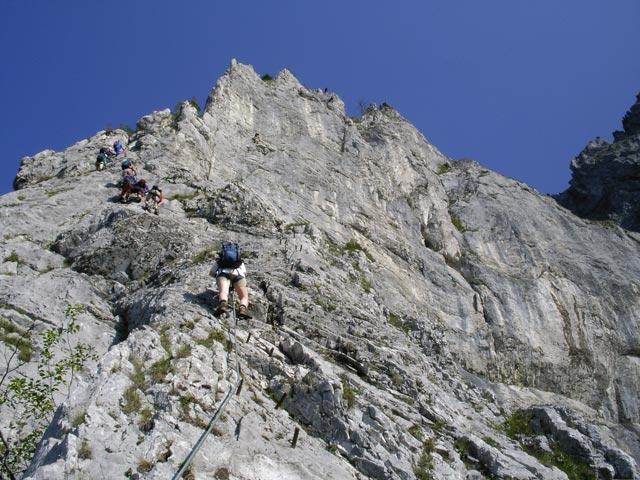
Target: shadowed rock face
[409,311]
[606,177]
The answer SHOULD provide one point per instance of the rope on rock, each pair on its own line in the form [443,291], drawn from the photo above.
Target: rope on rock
[236,388]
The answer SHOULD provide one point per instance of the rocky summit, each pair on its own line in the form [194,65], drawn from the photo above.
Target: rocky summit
[414,317]
[606,177]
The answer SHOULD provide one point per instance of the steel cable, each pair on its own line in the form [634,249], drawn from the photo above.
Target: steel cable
[219,411]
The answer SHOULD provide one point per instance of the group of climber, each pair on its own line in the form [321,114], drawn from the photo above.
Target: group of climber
[138,189]
[228,269]
[106,154]
[131,187]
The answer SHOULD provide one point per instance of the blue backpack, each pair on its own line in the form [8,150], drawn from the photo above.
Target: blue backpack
[230,255]
[125,164]
[129,180]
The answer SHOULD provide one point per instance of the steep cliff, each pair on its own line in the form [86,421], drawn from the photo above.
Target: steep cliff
[414,317]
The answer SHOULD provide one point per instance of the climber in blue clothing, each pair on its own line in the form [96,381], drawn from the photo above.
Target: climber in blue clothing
[101,160]
[117,147]
[104,155]
[140,189]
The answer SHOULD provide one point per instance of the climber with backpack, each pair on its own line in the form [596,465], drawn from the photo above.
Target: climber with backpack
[117,148]
[128,168]
[101,160]
[104,155]
[154,198]
[129,181]
[140,189]
[108,151]
[229,270]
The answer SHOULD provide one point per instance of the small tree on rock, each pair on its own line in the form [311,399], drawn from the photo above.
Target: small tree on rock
[32,399]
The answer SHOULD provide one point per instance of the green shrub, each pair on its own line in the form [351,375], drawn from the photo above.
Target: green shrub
[444,168]
[214,335]
[159,370]
[458,224]
[84,451]
[185,402]
[78,419]
[222,474]
[349,393]
[146,422]
[13,257]
[352,246]
[518,424]
[490,441]
[32,399]
[144,466]
[56,191]
[137,377]
[165,341]
[328,306]
[365,284]
[17,339]
[194,103]
[396,378]
[425,462]
[462,446]
[131,401]
[266,77]
[203,255]
[183,196]
[518,427]
[395,321]
[184,351]
[575,468]
[439,425]
[416,432]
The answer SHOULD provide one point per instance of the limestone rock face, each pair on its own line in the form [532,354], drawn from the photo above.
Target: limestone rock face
[605,182]
[526,259]
[414,317]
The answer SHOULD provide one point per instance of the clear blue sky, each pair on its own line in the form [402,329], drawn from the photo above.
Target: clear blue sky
[518,85]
